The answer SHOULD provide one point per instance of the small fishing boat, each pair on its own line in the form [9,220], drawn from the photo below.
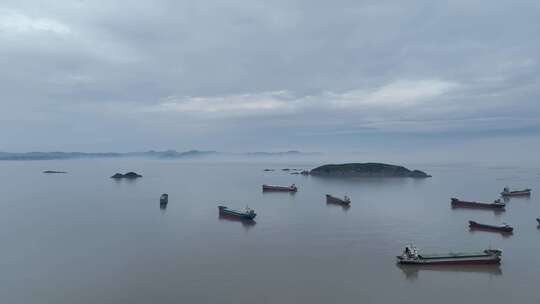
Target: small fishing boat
[248,214]
[500,228]
[336,200]
[507,193]
[497,204]
[411,255]
[538,220]
[164,199]
[291,188]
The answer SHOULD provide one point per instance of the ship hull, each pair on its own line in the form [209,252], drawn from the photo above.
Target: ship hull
[224,211]
[504,229]
[268,188]
[476,205]
[516,193]
[472,261]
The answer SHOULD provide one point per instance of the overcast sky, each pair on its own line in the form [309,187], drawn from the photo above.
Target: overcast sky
[267,75]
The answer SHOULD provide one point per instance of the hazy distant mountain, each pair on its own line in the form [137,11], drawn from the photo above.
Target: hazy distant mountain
[286,153]
[191,153]
[151,154]
[54,155]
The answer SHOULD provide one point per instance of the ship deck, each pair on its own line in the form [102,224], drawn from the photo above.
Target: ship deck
[453,255]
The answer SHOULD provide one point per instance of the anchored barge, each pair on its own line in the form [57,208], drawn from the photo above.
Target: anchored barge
[499,228]
[412,256]
[337,200]
[248,214]
[496,205]
[291,188]
[507,193]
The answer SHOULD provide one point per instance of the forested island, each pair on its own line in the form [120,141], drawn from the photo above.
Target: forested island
[367,170]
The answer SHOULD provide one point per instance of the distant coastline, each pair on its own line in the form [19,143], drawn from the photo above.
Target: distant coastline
[168,154]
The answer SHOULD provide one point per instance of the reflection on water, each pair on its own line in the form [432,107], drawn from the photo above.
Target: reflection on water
[125,180]
[497,212]
[270,192]
[366,180]
[338,205]
[245,222]
[473,230]
[507,199]
[411,272]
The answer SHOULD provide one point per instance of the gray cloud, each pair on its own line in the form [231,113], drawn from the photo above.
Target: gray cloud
[101,75]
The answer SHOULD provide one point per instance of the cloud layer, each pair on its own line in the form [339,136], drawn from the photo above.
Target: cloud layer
[393,96]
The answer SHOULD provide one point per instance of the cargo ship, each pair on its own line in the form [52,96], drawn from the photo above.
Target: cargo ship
[248,214]
[507,193]
[337,200]
[497,204]
[291,188]
[500,228]
[412,256]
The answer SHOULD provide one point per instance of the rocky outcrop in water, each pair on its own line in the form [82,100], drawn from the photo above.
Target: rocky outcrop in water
[129,175]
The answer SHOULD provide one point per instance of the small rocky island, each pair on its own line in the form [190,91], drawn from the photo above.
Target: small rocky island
[129,175]
[367,170]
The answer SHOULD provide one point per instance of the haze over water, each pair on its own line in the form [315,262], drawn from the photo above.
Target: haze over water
[82,237]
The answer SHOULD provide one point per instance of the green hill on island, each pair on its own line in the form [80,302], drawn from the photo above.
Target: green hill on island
[367,170]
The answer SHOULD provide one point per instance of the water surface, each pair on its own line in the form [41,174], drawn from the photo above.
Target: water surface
[82,237]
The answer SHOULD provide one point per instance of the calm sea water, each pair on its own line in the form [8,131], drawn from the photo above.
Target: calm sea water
[82,237]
